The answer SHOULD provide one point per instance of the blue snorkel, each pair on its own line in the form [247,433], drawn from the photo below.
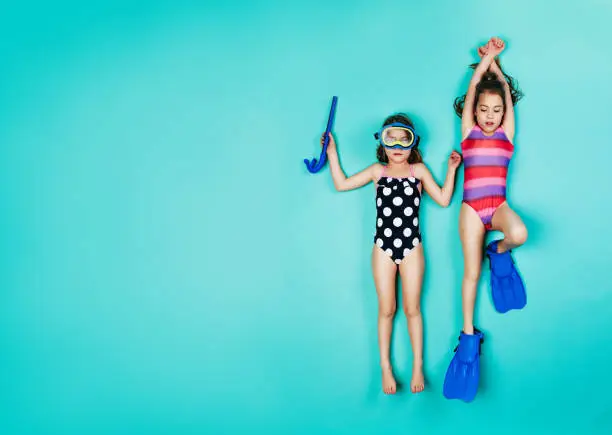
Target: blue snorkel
[312,165]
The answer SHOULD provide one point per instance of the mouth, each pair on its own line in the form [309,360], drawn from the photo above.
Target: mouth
[489,124]
[398,154]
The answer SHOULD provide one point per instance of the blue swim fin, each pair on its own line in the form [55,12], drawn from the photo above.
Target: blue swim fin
[507,286]
[463,373]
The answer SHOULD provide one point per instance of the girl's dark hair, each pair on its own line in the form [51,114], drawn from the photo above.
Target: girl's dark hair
[415,154]
[491,84]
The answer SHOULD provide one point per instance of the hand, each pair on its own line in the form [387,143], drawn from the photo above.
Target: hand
[454,160]
[482,50]
[331,145]
[495,46]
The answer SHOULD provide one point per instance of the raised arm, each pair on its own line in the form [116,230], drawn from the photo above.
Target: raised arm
[492,49]
[508,123]
[441,195]
[341,181]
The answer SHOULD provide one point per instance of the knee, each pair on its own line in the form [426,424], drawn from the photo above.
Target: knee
[412,310]
[471,274]
[386,311]
[517,235]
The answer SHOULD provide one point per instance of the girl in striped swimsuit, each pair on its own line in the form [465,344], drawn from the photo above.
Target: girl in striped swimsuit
[487,126]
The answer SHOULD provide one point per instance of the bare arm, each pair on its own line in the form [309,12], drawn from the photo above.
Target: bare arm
[467,116]
[341,181]
[441,195]
[509,115]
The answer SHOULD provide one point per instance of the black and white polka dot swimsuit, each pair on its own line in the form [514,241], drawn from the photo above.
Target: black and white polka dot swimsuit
[397,215]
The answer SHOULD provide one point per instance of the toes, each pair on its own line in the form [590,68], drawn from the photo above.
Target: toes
[389,389]
[417,388]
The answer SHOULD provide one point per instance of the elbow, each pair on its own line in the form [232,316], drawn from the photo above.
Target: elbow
[340,187]
[443,200]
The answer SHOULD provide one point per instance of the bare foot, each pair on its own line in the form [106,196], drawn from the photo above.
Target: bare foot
[417,384]
[389,385]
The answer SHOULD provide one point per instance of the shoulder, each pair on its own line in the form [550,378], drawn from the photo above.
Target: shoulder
[508,134]
[420,170]
[376,170]
[467,130]
[377,167]
[419,167]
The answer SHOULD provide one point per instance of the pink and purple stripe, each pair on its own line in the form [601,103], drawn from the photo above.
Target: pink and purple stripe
[475,152]
[477,133]
[486,160]
[483,192]
[485,181]
[470,162]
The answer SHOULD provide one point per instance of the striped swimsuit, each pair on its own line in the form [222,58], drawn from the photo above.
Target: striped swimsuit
[486,160]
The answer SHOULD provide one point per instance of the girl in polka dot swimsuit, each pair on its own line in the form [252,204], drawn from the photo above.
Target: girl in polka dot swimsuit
[399,178]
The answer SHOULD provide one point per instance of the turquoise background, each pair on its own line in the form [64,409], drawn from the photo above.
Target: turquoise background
[170,267]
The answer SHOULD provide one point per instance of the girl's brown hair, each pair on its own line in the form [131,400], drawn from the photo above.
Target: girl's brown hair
[490,83]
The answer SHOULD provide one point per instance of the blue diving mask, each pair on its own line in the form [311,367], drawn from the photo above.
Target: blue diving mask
[397,136]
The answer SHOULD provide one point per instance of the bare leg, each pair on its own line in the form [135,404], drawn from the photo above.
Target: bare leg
[385,271]
[472,233]
[509,223]
[411,270]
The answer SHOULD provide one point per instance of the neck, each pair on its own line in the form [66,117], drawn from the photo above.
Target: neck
[397,165]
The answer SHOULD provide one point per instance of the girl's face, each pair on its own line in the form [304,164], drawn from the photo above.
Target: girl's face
[489,112]
[397,156]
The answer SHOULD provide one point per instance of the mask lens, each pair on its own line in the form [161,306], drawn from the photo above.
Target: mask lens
[397,136]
